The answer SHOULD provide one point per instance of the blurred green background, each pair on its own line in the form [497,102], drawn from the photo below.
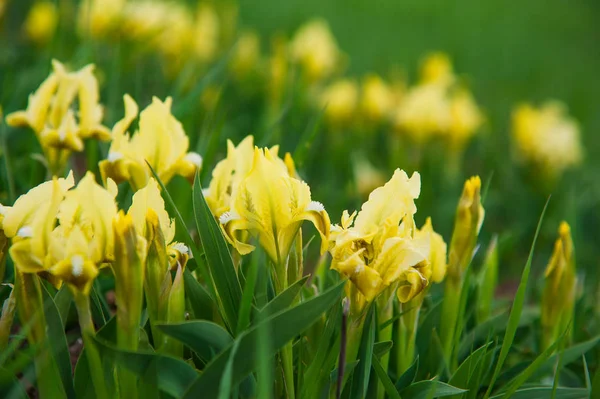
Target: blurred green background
[506,52]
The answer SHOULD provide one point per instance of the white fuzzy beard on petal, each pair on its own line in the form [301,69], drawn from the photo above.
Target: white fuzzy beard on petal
[77,265]
[114,156]
[25,232]
[228,217]
[315,206]
[194,158]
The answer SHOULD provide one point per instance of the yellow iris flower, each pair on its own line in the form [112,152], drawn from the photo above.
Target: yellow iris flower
[339,101]
[377,98]
[547,137]
[160,141]
[377,247]
[438,106]
[271,205]
[149,201]
[315,49]
[51,113]
[73,250]
[41,22]
[229,172]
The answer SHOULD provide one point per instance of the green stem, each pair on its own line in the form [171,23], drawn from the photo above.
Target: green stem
[88,332]
[287,354]
[30,307]
[385,310]
[408,332]
[450,308]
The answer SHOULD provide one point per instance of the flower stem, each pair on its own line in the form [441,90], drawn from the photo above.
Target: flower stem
[385,310]
[88,332]
[450,309]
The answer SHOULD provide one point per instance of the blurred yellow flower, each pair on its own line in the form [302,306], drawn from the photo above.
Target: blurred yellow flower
[51,113]
[246,55]
[438,107]
[437,68]
[424,112]
[160,141]
[41,21]
[376,248]
[206,33]
[315,49]
[72,250]
[465,118]
[377,98]
[558,297]
[99,18]
[271,205]
[547,137]
[339,101]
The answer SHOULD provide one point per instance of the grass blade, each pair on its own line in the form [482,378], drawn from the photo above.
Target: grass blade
[515,313]
[218,258]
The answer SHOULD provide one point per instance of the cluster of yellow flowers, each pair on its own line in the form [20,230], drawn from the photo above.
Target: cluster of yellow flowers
[171,28]
[437,107]
[63,112]
[380,247]
[546,137]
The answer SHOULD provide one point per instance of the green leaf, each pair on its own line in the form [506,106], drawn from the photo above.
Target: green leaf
[385,379]
[63,300]
[360,381]
[515,313]
[409,375]
[494,326]
[463,373]
[546,393]
[57,341]
[205,338]
[283,327]
[430,389]
[226,380]
[325,356]
[519,380]
[247,298]
[569,355]
[10,387]
[198,298]
[218,258]
[283,300]
[173,376]
[383,347]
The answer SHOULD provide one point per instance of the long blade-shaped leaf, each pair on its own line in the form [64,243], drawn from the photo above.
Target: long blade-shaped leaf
[515,313]
[385,379]
[58,343]
[218,258]
[205,338]
[283,327]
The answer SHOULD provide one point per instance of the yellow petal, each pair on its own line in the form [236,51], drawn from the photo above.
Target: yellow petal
[149,198]
[380,209]
[411,285]
[21,214]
